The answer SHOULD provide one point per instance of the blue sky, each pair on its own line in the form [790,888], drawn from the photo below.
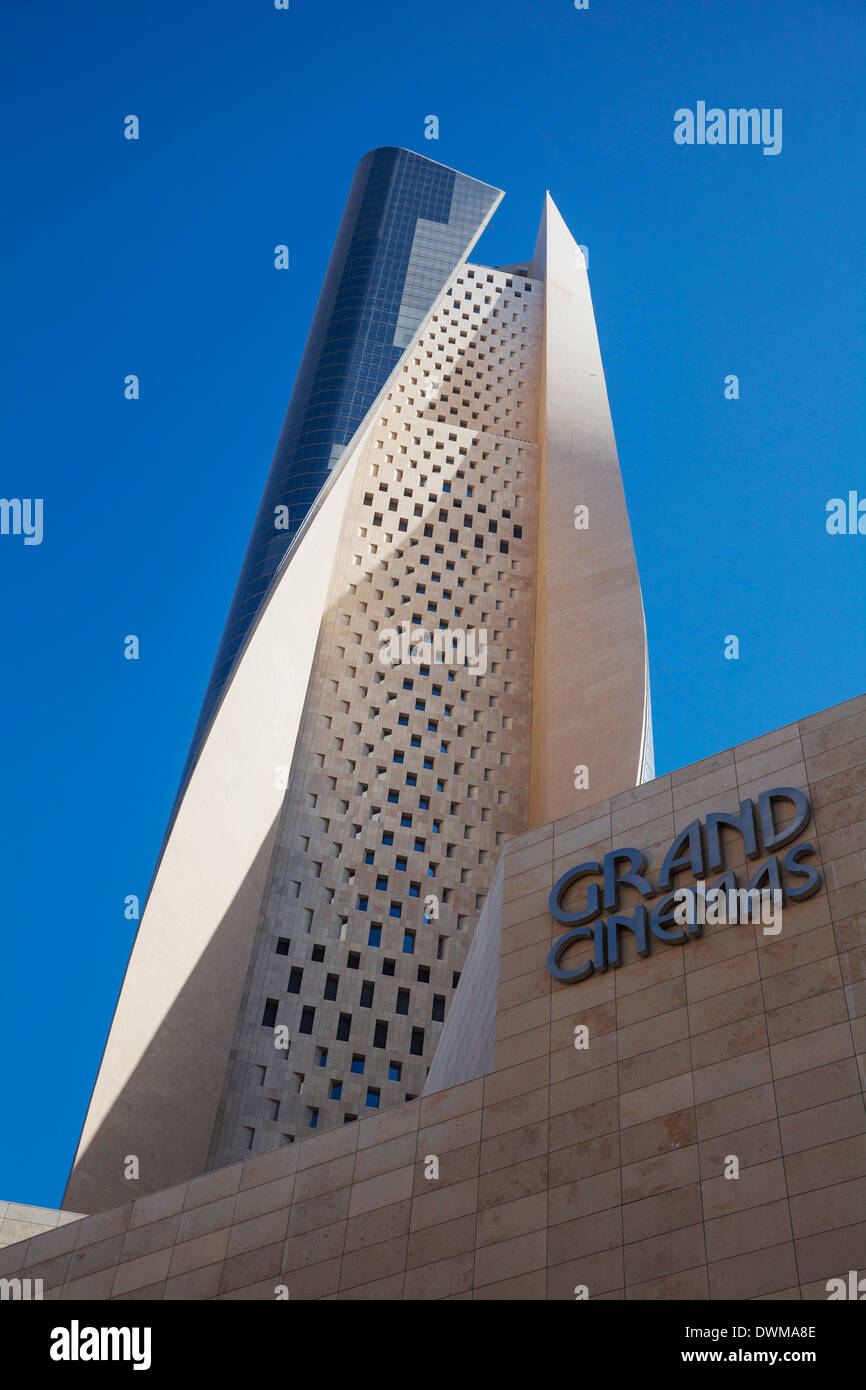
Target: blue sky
[156,257]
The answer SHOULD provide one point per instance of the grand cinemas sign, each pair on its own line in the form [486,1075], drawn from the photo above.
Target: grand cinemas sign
[698,850]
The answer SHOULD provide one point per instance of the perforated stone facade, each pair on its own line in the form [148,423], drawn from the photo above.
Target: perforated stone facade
[406,778]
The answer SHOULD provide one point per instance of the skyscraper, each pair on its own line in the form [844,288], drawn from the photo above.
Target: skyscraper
[436,643]
[407,224]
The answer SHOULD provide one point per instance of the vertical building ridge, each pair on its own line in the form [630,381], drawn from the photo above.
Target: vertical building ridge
[591,675]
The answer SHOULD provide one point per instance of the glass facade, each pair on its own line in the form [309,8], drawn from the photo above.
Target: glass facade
[407,224]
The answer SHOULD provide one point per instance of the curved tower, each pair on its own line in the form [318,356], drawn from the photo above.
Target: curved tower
[407,223]
[423,652]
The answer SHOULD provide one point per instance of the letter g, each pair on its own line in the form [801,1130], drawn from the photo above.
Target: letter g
[561,887]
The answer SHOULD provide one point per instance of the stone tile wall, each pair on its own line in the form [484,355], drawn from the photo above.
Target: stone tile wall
[563,1169]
